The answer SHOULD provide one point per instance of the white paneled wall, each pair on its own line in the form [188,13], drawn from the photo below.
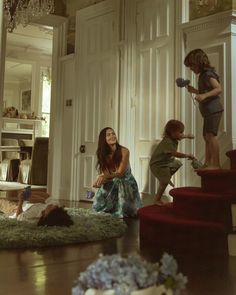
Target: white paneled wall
[154,83]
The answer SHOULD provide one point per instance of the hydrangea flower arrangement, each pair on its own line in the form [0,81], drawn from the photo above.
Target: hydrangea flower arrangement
[126,275]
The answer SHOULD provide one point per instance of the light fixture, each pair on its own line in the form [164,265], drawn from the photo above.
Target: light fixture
[24,11]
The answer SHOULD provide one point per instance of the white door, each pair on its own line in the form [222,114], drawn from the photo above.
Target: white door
[154,82]
[96,106]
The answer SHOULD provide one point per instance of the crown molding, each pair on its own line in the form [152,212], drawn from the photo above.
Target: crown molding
[222,19]
[27,53]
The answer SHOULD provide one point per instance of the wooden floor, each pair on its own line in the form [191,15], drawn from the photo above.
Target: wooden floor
[52,271]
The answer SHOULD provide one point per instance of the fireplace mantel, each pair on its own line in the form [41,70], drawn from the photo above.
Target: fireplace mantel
[32,127]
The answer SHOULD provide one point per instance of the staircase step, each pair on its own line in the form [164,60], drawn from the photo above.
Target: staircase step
[160,227]
[232,155]
[218,181]
[164,214]
[193,203]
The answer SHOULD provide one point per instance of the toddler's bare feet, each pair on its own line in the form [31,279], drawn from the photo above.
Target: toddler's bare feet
[212,168]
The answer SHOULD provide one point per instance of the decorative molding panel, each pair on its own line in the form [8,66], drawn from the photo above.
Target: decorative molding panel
[96,98]
[67,93]
[210,22]
[153,92]
[152,19]
[89,164]
[144,175]
[145,95]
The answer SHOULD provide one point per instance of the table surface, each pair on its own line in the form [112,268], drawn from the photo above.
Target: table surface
[9,148]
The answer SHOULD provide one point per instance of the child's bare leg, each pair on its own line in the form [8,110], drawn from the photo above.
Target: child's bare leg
[19,209]
[38,197]
[207,152]
[160,191]
[214,151]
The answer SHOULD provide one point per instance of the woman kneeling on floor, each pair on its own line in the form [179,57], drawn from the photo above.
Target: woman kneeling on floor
[40,209]
[117,192]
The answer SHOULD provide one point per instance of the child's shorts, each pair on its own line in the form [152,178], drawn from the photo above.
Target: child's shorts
[164,173]
[211,123]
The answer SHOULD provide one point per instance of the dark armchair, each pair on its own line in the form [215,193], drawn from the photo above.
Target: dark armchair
[9,165]
[34,170]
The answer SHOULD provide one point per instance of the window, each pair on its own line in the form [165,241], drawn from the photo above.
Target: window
[46,101]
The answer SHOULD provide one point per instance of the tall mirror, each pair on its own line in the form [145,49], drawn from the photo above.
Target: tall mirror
[27,85]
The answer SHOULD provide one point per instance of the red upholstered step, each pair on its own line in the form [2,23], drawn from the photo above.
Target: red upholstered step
[160,227]
[192,202]
[218,181]
[232,155]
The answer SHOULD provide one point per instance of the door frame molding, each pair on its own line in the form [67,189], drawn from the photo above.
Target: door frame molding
[59,25]
[3,36]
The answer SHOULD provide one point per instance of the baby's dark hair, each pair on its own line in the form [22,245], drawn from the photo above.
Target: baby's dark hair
[57,217]
[198,57]
[173,126]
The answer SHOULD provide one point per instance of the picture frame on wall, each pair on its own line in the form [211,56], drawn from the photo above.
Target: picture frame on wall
[201,8]
[26,100]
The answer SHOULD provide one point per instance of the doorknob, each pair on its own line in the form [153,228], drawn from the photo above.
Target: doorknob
[82,149]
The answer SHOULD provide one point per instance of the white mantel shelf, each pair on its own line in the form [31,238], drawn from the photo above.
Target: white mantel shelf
[35,130]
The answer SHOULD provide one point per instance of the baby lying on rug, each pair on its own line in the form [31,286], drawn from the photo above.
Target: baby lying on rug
[41,209]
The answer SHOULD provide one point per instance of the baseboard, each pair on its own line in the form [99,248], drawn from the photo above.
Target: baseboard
[64,193]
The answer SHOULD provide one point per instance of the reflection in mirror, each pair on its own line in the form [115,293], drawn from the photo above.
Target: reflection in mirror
[27,88]
[17,86]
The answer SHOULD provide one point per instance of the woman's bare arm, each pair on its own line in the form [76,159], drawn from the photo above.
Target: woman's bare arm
[106,175]
[123,164]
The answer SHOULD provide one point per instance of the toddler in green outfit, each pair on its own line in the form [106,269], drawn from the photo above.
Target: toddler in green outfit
[163,163]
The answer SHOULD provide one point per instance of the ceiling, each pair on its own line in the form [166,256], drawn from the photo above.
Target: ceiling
[29,39]
[16,71]
[32,37]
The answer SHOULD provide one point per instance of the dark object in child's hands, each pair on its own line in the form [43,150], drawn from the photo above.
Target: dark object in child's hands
[196,164]
[26,193]
[180,82]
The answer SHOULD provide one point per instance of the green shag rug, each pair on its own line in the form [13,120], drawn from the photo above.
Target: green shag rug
[88,226]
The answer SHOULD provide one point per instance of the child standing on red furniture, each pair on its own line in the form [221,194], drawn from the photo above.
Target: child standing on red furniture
[163,163]
[207,95]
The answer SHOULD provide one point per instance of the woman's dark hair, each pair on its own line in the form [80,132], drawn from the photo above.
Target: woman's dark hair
[104,150]
[198,57]
[56,217]
[173,126]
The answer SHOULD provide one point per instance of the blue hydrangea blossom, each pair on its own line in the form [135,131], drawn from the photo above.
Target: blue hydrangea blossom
[124,275]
